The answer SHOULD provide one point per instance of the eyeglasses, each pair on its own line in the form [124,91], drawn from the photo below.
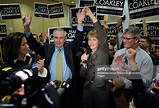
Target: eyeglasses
[127,38]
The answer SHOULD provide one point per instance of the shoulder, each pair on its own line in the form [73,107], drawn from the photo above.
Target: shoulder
[143,54]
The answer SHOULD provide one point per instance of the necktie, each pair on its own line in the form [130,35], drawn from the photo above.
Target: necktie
[59,66]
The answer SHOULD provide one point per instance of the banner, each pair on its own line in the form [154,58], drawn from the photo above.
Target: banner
[142,8]
[112,29]
[152,30]
[56,10]
[112,7]
[86,30]
[41,10]
[3,30]
[10,11]
[87,21]
[86,3]
[71,31]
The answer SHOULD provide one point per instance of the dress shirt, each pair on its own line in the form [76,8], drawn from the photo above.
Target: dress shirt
[144,65]
[65,69]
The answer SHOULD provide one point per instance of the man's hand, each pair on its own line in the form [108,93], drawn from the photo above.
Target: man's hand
[20,91]
[119,62]
[81,15]
[131,54]
[131,104]
[26,20]
[116,85]
[154,86]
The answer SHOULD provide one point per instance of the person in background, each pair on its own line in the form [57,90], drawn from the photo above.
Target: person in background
[17,56]
[113,40]
[145,43]
[68,52]
[138,57]
[111,54]
[96,92]
[145,98]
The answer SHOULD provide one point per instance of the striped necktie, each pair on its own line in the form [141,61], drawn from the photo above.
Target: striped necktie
[59,66]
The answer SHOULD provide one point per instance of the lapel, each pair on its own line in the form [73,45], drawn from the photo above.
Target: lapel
[50,53]
[91,60]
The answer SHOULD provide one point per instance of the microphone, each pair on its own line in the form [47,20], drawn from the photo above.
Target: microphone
[52,94]
[65,85]
[61,91]
[55,83]
[88,51]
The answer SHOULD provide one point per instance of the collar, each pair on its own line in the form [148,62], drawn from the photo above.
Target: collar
[56,49]
[15,60]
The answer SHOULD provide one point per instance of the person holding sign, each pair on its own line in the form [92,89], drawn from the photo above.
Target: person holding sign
[59,56]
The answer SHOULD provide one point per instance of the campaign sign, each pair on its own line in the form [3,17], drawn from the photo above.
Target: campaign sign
[40,10]
[152,30]
[142,8]
[10,11]
[112,7]
[112,28]
[86,29]
[86,3]
[87,20]
[56,10]
[3,30]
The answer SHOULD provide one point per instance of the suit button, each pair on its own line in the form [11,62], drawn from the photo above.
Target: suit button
[91,81]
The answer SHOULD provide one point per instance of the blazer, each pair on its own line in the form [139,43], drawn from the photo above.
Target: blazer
[47,50]
[99,57]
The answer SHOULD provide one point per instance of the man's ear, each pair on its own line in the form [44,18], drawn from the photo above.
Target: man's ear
[137,40]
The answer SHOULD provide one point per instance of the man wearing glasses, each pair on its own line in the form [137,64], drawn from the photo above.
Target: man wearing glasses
[130,57]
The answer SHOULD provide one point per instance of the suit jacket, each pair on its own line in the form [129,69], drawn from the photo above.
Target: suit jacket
[47,50]
[99,57]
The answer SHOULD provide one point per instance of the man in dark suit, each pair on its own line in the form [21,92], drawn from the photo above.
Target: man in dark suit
[50,51]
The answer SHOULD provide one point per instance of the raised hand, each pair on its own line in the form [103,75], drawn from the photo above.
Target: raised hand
[81,15]
[90,14]
[26,20]
[131,54]
[119,62]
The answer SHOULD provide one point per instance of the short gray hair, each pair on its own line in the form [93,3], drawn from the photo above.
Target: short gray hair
[135,31]
[60,29]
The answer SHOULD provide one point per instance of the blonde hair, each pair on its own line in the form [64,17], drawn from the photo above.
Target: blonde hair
[92,33]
